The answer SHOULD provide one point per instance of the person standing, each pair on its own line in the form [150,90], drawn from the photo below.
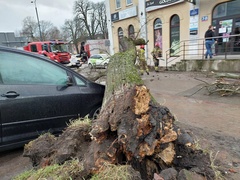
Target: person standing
[142,60]
[156,53]
[209,41]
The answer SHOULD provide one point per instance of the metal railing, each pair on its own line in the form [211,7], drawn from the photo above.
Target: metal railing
[226,47]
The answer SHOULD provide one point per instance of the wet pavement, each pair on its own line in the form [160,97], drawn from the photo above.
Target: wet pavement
[180,92]
[211,119]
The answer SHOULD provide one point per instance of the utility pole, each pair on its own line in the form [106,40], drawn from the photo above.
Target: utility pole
[40,33]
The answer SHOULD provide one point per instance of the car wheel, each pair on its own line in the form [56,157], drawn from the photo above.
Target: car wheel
[90,66]
[105,65]
[94,113]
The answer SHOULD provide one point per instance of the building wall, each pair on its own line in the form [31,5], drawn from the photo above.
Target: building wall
[206,8]
[165,14]
[124,24]
[182,9]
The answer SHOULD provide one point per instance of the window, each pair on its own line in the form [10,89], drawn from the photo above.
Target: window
[79,81]
[131,32]
[29,70]
[129,2]
[34,48]
[157,27]
[120,36]
[226,9]
[96,57]
[175,35]
[118,4]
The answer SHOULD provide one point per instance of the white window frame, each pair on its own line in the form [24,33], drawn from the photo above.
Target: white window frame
[128,4]
[117,4]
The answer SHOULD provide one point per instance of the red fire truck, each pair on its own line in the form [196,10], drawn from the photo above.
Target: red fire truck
[56,50]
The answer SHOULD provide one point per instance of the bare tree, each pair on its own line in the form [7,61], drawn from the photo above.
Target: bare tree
[75,30]
[102,19]
[49,31]
[54,33]
[29,29]
[87,13]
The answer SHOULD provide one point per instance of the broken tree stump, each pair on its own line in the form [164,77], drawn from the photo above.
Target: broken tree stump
[132,129]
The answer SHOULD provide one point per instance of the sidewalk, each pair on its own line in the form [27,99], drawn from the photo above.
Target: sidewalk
[213,119]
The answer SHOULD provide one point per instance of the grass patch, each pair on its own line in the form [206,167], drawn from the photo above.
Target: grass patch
[80,122]
[68,170]
[115,172]
[218,174]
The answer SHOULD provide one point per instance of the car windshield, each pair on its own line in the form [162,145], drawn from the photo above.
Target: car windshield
[105,56]
[59,47]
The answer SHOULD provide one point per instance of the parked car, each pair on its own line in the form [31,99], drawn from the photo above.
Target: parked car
[98,60]
[40,95]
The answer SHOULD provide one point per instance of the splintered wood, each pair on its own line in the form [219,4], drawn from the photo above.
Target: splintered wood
[141,100]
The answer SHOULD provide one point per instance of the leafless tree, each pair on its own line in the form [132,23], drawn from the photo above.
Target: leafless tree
[74,30]
[88,13]
[47,28]
[29,29]
[102,19]
[54,33]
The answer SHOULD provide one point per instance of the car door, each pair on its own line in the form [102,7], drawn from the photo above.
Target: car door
[98,60]
[35,97]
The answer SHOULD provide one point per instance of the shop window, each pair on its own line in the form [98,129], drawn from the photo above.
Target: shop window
[128,2]
[226,19]
[118,4]
[175,35]
[131,32]
[157,27]
[120,36]
[226,9]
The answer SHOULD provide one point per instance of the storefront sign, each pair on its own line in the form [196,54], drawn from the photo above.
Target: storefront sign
[194,12]
[204,18]
[193,22]
[157,4]
[115,16]
[127,13]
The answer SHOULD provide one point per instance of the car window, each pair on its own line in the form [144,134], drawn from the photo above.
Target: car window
[96,57]
[105,56]
[79,81]
[22,69]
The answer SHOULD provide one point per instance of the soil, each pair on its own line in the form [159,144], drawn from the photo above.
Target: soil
[212,120]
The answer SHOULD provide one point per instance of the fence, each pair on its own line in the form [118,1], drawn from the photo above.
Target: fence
[226,47]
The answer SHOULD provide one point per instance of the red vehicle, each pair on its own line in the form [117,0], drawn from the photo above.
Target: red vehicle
[56,50]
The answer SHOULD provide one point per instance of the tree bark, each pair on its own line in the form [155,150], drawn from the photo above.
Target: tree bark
[132,127]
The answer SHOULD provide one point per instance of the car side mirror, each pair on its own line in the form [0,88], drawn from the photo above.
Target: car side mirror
[69,81]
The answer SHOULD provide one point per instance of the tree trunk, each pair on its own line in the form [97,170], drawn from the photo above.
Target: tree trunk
[132,128]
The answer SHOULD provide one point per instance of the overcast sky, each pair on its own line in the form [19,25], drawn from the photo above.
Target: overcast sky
[12,12]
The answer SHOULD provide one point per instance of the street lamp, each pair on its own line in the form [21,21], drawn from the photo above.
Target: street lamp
[37,19]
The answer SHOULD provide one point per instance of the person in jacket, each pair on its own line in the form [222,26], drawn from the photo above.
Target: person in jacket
[209,41]
[156,53]
[142,61]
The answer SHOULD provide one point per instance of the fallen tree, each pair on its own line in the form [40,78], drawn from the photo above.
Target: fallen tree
[132,129]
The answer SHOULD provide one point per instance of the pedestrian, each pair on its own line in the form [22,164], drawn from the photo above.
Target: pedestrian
[209,41]
[156,53]
[214,44]
[142,61]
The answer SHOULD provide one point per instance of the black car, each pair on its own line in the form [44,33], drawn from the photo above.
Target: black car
[39,95]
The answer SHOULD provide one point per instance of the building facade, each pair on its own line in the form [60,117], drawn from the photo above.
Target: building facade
[169,22]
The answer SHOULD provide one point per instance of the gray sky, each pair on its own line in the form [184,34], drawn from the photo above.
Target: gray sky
[12,12]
